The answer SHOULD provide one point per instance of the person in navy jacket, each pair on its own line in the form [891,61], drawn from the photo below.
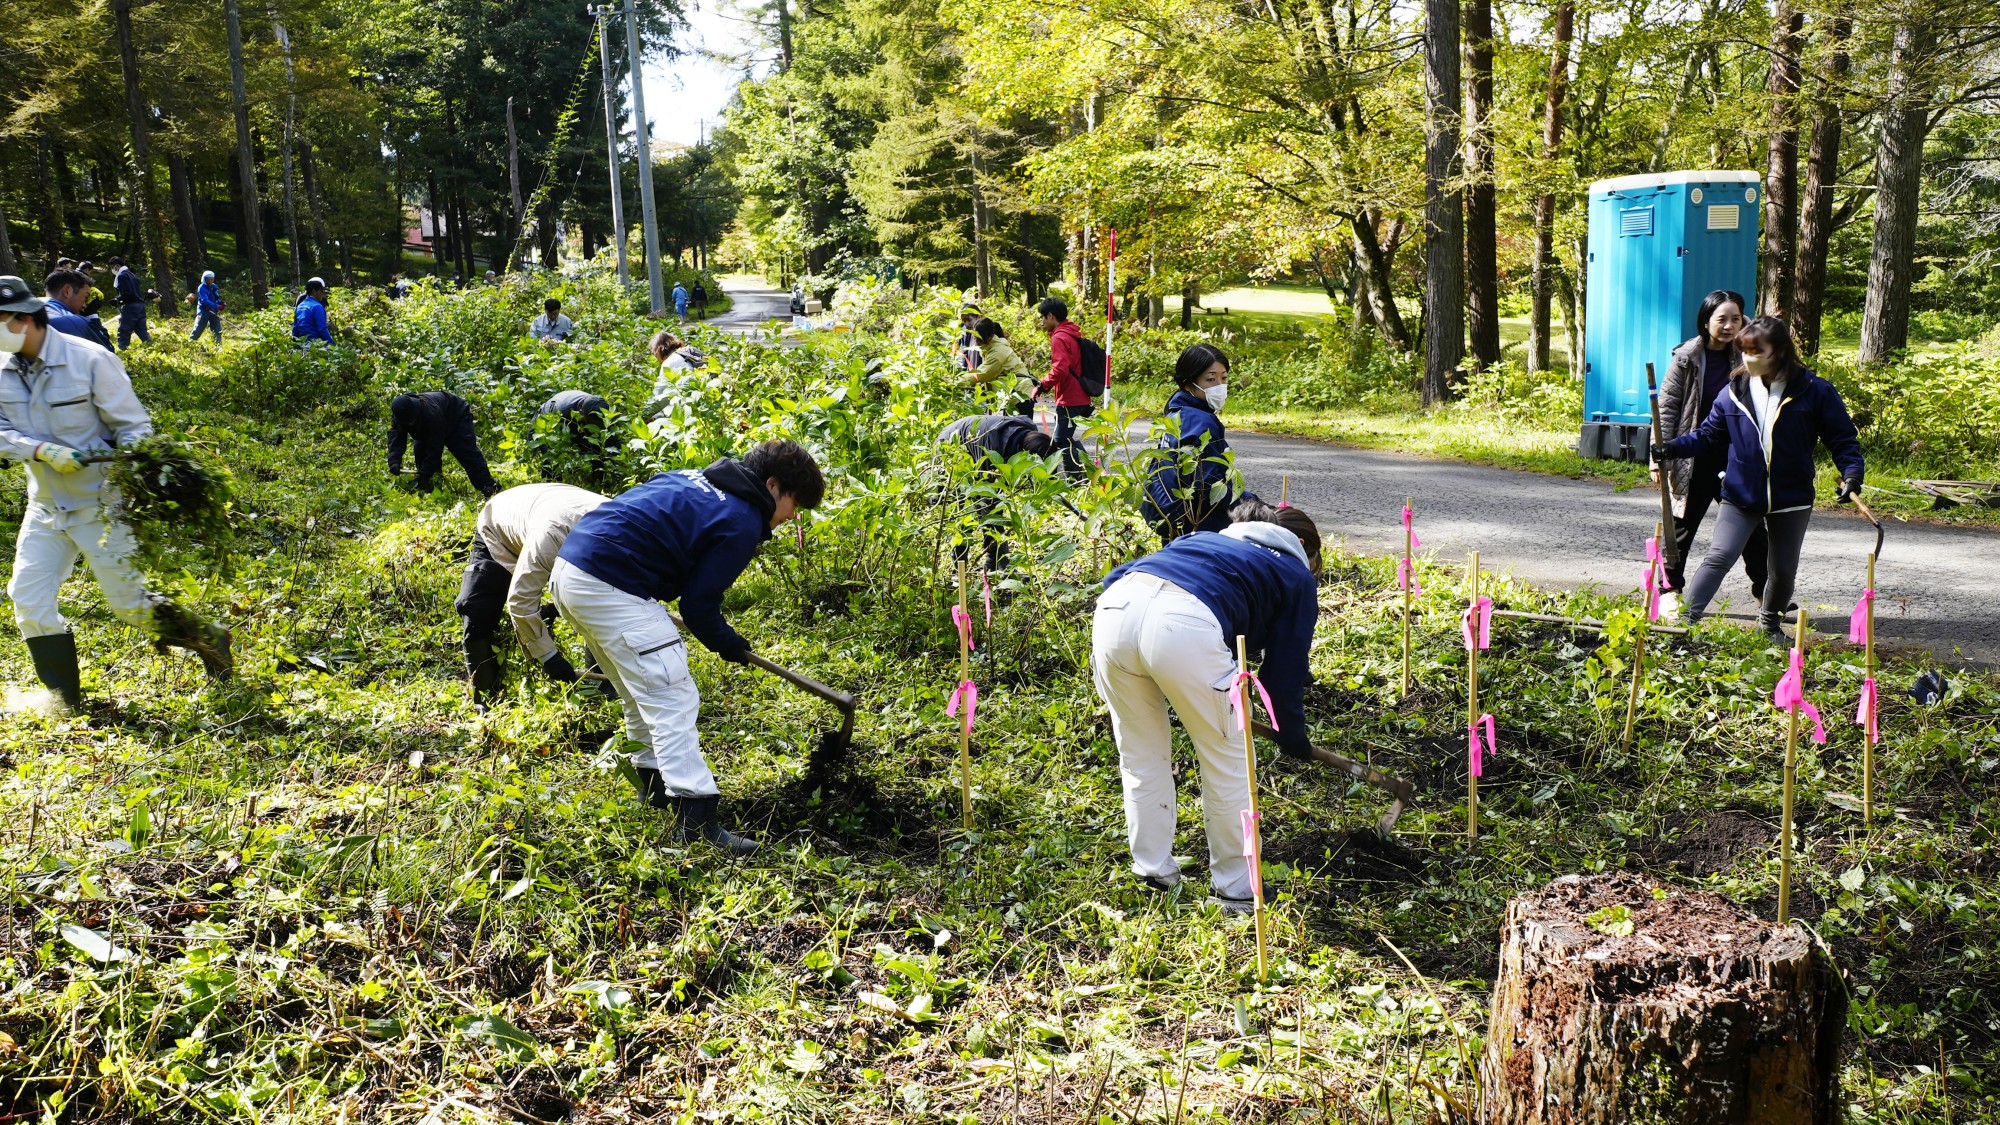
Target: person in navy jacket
[685,535]
[309,315]
[1165,635]
[435,421]
[991,440]
[1180,492]
[1773,414]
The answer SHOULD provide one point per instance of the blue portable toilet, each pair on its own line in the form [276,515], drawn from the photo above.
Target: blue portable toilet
[1658,244]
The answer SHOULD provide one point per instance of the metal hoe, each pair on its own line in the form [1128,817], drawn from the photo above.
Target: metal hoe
[1396,787]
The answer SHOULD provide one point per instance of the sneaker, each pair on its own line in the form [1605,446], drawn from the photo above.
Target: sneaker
[1233,905]
[1161,883]
[1670,605]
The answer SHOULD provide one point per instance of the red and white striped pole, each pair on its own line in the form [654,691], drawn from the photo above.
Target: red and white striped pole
[1110,304]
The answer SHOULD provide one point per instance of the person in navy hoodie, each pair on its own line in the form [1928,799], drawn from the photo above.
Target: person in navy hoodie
[1180,492]
[685,535]
[1769,419]
[207,307]
[1165,635]
[309,315]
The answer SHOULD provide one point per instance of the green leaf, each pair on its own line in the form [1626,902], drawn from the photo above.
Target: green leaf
[1853,878]
[496,1032]
[1613,920]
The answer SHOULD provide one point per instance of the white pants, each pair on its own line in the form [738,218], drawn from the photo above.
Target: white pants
[46,551]
[1154,644]
[645,658]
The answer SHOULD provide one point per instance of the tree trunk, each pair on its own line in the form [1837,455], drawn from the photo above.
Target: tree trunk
[440,248]
[1621,999]
[180,181]
[7,262]
[1444,207]
[1380,292]
[146,209]
[48,224]
[1885,317]
[1781,165]
[1482,269]
[1542,278]
[65,187]
[1816,214]
[322,245]
[250,239]
[982,260]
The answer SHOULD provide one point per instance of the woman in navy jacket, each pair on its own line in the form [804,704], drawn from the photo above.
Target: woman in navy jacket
[1773,414]
[1181,491]
[1165,635]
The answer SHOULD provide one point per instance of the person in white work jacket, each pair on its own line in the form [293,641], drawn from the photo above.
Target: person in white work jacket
[61,399]
[520,532]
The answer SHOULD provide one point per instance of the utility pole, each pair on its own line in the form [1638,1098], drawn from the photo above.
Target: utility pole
[253,222]
[603,15]
[514,172]
[653,281]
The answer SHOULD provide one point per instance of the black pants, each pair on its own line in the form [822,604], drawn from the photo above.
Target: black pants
[1072,449]
[1704,489]
[1785,534]
[482,601]
[462,438]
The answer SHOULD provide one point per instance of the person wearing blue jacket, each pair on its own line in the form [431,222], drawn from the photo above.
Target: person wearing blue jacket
[1165,635]
[68,291]
[1771,417]
[1181,491]
[207,307]
[309,315]
[685,535]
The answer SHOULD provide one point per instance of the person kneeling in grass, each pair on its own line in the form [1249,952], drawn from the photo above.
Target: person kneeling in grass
[685,535]
[520,533]
[1165,635]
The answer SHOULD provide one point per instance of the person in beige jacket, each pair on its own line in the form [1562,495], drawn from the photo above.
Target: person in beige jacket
[999,364]
[520,533]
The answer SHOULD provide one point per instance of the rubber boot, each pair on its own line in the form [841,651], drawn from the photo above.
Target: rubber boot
[177,628]
[482,665]
[699,821]
[55,666]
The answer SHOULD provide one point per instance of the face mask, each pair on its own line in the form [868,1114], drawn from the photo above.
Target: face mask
[11,341]
[1216,395]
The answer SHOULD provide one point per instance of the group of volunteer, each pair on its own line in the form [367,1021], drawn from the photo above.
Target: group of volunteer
[1740,420]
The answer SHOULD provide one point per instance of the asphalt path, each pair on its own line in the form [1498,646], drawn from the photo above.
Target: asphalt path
[1936,585]
[752,306]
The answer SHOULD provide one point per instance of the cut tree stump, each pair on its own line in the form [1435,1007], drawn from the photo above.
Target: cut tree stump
[1680,1009]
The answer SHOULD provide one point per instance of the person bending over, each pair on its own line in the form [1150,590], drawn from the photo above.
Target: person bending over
[1164,635]
[685,535]
[1768,421]
[435,421]
[1000,368]
[520,533]
[991,440]
[1182,489]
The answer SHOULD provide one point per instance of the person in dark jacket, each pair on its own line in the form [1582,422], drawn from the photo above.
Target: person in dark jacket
[576,428]
[309,315]
[1769,419]
[1696,376]
[68,293]
[991,440]
[1181,491]
[436,421]
[132,298]
[685,535]
[1165,636]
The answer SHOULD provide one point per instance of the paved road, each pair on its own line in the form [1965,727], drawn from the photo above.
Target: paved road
[753,305]
[1937,585]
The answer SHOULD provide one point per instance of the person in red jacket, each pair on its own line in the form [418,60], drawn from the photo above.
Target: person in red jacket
[1065,363]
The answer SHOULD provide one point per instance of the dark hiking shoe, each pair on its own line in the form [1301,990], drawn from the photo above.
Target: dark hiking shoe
[1161,884]
[699,821]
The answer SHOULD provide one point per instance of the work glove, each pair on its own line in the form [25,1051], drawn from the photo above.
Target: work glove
[60,457]
[558,668]
[1658,452]
[1848,490]
[740,656]
[1296,748]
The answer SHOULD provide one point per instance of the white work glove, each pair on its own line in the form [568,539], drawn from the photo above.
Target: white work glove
[61,457]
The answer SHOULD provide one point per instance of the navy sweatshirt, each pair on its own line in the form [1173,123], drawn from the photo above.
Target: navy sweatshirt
[685,535]
[1810,412]
[1201,436]
[1267,596]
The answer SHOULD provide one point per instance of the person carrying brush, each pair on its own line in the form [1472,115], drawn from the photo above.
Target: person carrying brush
[1165,636]
[520,533]
[62,399]
[991,440]
[436,421]
[1194,464]
[685,535]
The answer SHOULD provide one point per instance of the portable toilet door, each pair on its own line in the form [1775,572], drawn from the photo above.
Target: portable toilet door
[1657,245]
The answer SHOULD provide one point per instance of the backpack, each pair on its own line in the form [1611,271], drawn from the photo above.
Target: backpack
[1090,366]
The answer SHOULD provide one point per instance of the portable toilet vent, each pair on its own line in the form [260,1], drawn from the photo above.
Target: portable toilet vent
[1658,244]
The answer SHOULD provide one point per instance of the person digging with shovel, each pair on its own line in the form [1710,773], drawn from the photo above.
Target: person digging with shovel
[685,535]
[62,399]
[520,533]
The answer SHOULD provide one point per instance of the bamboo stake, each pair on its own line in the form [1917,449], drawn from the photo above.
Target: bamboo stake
[1868,743]
[1255,847]
[1285,490]
[1791,770]
[1409,581]
[964,727]
[1472,701]
[1638,662]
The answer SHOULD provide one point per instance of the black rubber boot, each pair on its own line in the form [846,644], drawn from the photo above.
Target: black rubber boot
[481,664]
[178,628]
[699,822]
[56,667]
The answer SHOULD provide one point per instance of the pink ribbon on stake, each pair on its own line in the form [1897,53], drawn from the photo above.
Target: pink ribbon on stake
[1250,850]
[1475,760]
[1652,583]
[1790,695]
[1414,541]
[1476,625]
[1857,622]
[1238,694]
[963,620]
[1869,714]
[1406,577]
[969,692]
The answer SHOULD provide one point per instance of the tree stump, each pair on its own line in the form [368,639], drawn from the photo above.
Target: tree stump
[1679,1008]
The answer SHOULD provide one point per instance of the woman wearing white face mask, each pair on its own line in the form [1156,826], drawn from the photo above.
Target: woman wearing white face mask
[1769,419]
[1181,493]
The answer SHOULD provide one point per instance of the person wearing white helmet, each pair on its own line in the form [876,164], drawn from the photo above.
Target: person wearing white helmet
[207,307]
